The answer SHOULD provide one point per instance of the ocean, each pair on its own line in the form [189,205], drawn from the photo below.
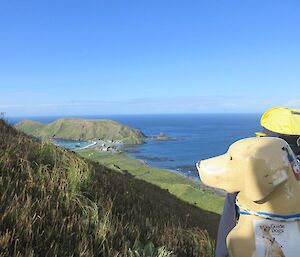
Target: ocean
[197,136]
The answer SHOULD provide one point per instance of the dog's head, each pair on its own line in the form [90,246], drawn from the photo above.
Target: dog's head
[265,228]
[254,166]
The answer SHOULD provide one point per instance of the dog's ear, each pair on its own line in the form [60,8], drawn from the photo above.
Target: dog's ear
[261,178]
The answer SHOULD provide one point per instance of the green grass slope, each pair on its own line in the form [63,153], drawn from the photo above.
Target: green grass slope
[178,185]
[30,127]
[55,203]
[82,129]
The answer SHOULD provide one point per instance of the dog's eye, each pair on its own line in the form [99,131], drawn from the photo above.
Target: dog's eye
[230,158]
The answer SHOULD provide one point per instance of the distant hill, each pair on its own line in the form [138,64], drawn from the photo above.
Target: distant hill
[82,129]
[55,203]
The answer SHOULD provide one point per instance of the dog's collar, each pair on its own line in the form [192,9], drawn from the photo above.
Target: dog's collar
[273,240]
[266,215]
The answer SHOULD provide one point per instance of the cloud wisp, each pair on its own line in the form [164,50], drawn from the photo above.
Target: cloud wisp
[294,103]
[200,104]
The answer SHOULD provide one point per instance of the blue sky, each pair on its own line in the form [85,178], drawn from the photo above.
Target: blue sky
[168,56]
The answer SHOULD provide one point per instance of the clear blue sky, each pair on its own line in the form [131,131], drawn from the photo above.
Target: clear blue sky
[167,56]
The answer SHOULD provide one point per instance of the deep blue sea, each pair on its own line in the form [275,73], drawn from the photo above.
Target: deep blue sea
[198,136]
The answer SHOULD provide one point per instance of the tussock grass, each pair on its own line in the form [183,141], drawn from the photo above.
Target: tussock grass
[54,203]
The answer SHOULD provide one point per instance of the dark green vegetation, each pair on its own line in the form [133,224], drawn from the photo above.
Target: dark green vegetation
[54,203]
[178,185]
[82,129]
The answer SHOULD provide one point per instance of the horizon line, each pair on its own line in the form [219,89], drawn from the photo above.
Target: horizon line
[129,114]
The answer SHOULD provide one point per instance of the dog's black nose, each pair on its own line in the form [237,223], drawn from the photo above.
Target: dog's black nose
[198,164]
[198,167]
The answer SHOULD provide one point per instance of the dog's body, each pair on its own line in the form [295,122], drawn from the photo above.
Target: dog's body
[272,247]
[260,169]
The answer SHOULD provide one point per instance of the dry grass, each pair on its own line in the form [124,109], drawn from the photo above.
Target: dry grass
[54,203]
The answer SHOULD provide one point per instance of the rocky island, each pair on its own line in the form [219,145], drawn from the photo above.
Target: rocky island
[162,136]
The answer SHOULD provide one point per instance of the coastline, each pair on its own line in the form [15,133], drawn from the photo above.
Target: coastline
[87,146]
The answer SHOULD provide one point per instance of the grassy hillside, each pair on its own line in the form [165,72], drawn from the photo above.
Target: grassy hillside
[82,129]
[176,184]
[30,127]
[55,203]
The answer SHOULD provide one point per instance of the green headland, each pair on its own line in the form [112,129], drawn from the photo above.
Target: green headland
[82,129]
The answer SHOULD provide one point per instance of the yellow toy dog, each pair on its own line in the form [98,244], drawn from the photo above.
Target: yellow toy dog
[266,174]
